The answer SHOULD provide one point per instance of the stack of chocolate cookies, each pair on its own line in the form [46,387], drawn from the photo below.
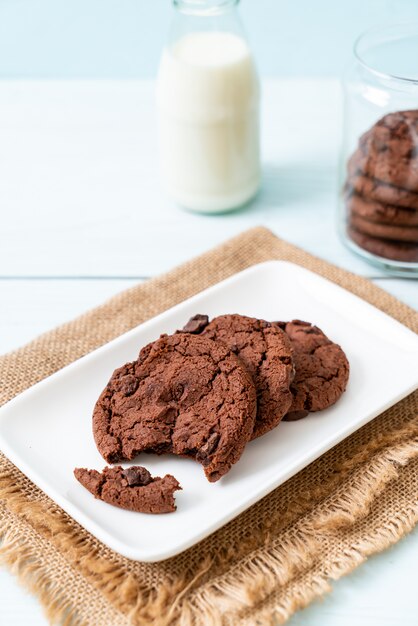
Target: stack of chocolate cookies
[204,393]
[381,191]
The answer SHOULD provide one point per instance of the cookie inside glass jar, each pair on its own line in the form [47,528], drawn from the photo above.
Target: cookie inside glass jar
[381,192]
[378,203]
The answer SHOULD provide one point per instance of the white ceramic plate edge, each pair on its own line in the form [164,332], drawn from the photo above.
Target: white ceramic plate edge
[274,482]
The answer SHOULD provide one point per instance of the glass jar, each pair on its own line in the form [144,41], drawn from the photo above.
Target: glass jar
[208,108]
[379,165]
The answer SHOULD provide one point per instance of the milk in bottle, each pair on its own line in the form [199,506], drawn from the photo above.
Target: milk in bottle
[208,111]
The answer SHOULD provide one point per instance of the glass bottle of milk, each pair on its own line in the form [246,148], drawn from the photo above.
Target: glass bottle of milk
[208,109]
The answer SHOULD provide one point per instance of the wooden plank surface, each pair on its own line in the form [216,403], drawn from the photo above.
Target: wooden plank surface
[80,190]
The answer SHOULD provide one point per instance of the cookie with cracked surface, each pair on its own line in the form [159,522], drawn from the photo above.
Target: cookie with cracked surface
[381,213]
[133,488]
[185,395]
[388,151]
[404,251]
[384,231]
[322,369]
[267,354]
[373,189]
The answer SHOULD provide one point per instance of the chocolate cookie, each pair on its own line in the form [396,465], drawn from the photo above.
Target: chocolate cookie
[384,231]
[389,150]
[133,489]
[374,189]
[381,213]
[267,354]
[395,250]
[185,395]
[322,369]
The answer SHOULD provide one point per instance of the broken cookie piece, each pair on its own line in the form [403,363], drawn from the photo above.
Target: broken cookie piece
[133,488]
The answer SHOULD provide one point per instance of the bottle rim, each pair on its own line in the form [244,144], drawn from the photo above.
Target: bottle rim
[204,7]
[393,32]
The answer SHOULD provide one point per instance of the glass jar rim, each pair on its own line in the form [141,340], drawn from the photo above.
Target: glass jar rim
[204,7]
[403,29]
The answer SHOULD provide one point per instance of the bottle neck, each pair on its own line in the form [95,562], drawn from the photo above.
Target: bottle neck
[204,16]
[201,8]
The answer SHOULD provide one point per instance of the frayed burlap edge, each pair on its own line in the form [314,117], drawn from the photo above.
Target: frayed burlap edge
[249,583]
[248,589]
[29,555]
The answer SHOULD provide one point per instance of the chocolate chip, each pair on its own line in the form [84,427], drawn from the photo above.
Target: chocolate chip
[313,330]
[196,324]
[281,325]
[293,416]
[300,323]
[171,393]
[168,415]
[207,449]
[413,152]
[137,476]
[165,395]
[127,385]
[310,328]
[178,391]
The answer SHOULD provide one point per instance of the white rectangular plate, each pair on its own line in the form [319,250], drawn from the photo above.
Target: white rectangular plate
[46,431]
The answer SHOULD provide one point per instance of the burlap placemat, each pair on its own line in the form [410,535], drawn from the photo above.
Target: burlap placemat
[275,558]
